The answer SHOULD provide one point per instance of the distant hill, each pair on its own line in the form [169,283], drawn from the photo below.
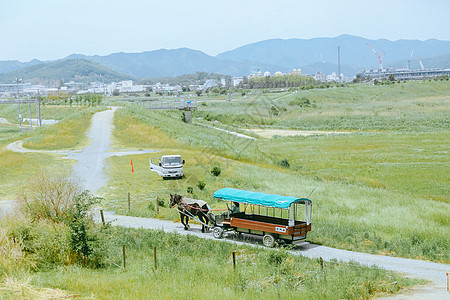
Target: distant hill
[311,55]
[442,61]
[170,63]
[12,65]
[79,70]
[296,53]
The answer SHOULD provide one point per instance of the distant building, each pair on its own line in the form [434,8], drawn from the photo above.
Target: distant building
[259,74]
[296,72]
[320,76]
[278,73]
[210,83]
[235,81]
[165,88]
[266,74]
[405,74]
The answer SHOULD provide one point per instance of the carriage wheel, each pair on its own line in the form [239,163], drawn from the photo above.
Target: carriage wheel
[218,232]
[268,240]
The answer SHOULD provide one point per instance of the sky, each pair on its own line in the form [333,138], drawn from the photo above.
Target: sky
[54,29]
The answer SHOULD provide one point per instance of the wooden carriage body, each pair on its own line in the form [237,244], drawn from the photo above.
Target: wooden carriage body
[272,216]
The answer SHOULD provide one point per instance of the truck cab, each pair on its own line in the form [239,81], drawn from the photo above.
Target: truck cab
[168,166]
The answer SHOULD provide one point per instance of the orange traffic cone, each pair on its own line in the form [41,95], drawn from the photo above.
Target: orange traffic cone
[132,168]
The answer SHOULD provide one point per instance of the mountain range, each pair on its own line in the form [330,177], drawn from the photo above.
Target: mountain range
[311,55]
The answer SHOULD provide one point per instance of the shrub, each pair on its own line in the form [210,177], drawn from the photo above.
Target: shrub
[284,163]
[58,229]
[190,189]
[201,185]
[79,224]
[302,102]
[274,111]
[47,197]
[215,171]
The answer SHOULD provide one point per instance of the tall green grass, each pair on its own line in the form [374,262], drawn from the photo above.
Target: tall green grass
[68,134]
[379,192]
[192,268]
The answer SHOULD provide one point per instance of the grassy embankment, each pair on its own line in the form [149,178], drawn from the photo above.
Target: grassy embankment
[69,133]
[379,190]
[187,267]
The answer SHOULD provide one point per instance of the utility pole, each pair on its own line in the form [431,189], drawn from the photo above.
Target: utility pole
[29,109]
[339,63]
[18,100]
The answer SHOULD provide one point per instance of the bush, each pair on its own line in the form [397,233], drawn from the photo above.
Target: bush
[190,190]
[46,197]
[57,227]
[201,185]
[79,224]
[215,171]
[274,111]
[284,163]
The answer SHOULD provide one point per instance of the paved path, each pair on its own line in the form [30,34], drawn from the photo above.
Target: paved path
[90,160]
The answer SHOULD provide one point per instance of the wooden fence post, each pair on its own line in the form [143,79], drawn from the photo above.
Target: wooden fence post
[103,218]
[157,205]
[321,263]
[234,260]
[154,257]
[129,202]
[123,252]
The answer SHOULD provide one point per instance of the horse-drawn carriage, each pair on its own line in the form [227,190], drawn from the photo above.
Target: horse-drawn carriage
[273,217]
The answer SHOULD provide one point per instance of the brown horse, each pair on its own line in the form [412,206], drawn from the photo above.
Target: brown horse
[191,207]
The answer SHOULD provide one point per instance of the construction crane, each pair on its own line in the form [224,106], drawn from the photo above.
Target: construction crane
[410,58]
[421,64]
[380,56]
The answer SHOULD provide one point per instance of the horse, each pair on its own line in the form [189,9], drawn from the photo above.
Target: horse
[192,207]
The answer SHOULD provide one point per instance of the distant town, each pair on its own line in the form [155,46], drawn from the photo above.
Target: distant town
[129,86]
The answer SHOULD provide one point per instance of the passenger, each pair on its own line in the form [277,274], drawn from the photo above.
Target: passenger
[235,208]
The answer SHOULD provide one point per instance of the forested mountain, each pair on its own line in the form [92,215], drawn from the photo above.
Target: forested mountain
[354,51]
[79,70]
[311,55]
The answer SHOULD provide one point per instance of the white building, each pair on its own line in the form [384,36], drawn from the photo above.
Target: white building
[236,81]
[210,83]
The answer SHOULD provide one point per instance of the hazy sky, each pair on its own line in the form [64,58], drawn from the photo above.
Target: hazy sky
[52,29]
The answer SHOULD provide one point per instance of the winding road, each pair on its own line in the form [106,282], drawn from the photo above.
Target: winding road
[90,168]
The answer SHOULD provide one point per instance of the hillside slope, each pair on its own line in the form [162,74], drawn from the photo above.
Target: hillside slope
[79,70]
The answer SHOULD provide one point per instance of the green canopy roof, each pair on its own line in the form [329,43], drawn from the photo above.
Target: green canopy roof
[249,197]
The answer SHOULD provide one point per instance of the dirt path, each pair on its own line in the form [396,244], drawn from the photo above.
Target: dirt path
[269,133]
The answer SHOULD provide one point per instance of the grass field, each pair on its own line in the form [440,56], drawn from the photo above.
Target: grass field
[382,188]
[192,268]
[374,189]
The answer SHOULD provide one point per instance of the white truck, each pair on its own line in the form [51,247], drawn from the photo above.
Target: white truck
[168,166]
